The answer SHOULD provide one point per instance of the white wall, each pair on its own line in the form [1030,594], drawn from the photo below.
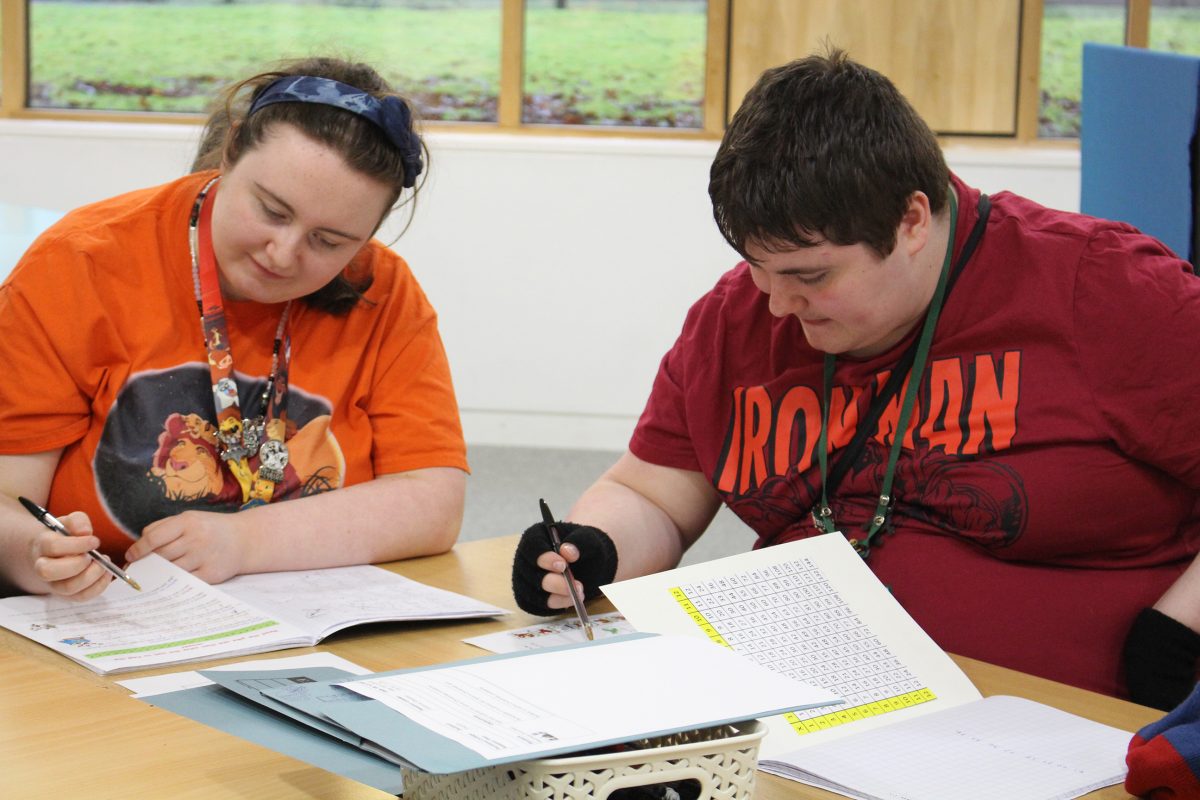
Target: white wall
[561,267]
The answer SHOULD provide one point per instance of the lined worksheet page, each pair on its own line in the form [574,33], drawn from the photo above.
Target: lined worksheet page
[322,601]
[997,748]
[174,619]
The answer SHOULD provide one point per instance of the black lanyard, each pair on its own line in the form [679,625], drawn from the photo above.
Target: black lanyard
[912,364]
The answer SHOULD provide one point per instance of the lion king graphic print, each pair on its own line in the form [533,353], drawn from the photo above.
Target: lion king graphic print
[158,452]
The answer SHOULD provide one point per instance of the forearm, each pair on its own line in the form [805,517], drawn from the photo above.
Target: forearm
[1181,601]
[646,539]
[1163,645]
[392,517]
[652,514]
[17,533]
[30,476]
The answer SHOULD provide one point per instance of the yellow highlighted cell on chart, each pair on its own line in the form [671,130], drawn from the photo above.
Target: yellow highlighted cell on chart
[872,709]
[688,608]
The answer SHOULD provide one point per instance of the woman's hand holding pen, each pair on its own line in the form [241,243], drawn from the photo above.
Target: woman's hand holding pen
[204,543]
[63,561]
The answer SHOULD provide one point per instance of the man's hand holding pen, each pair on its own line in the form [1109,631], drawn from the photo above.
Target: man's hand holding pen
[539,583]
[574,589]
[554,582]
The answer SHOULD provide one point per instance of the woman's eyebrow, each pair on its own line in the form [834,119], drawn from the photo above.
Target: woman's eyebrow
[288,207]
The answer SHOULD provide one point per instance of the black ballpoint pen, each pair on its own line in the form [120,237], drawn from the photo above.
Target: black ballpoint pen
[47,519]
[548,519]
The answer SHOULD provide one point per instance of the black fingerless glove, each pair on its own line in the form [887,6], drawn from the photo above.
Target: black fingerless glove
[1160,660]
[597,564]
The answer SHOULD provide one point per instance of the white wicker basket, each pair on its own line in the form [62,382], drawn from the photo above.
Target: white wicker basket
[722,760]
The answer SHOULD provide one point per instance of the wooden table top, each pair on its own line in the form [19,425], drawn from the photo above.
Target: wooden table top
[66,732]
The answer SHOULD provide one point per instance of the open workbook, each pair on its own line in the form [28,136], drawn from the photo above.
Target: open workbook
[178,618]
[912,725]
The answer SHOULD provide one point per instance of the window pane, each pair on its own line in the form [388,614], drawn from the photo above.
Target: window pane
[174,55]
[615,62]
[1066,26]
[1175,26]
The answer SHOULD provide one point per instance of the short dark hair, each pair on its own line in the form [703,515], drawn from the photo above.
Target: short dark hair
[823,148]
[229,134]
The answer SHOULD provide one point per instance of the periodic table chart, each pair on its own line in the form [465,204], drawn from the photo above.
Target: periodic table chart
[789,618]
[813,610]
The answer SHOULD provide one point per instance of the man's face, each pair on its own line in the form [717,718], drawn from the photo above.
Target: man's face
[849,300]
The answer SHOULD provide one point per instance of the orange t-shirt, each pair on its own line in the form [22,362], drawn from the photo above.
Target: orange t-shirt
[102,354]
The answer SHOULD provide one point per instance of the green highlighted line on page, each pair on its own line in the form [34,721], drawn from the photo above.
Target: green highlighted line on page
[166,645]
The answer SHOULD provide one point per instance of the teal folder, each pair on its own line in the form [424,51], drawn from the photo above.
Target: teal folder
[432,752]
[220,708]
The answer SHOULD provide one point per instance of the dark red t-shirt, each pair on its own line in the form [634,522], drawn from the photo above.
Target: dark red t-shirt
[1047,487]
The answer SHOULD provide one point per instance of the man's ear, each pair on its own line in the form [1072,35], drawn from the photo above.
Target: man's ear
[916,225]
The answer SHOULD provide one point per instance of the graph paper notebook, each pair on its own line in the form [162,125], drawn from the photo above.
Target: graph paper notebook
[813,610]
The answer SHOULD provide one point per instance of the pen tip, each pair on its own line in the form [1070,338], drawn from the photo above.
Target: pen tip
[547,517]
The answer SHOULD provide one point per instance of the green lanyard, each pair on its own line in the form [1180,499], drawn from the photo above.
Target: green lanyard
[823,515]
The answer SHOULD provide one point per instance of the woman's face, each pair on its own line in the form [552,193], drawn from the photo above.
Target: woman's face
[289,216]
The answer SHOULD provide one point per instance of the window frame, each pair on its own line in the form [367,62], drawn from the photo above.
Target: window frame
[14,69]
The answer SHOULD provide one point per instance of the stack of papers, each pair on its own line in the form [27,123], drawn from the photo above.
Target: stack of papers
[513,707]
[178,618]
[505,708]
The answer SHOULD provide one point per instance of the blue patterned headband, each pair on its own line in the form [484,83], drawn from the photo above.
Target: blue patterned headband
[390,115]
